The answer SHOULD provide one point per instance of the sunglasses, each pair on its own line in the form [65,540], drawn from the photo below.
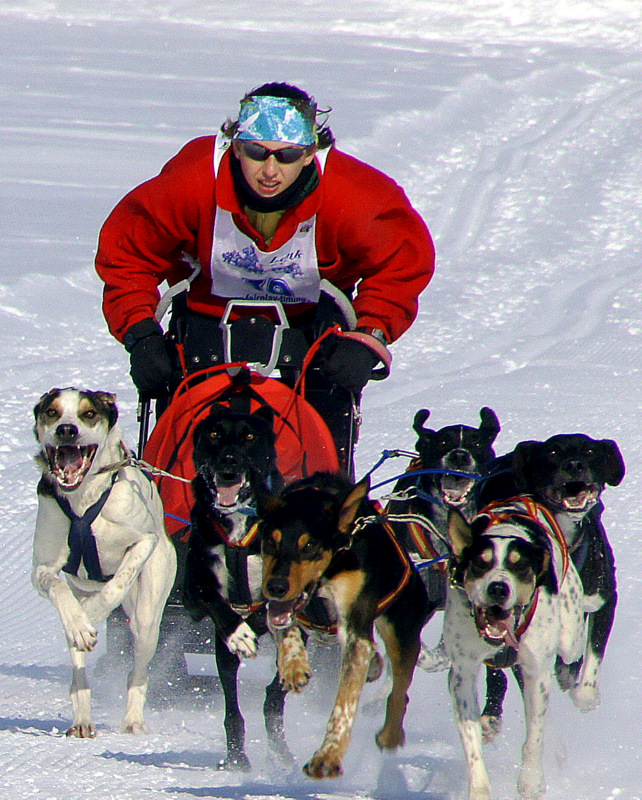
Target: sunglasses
[286,155]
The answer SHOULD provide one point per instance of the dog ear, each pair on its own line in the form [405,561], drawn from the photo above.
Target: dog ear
[522,458]
[266,413]
[489,426]
[198,430]
[613,462]
[351,505]
[459,533]
[218,408]
[418,423]
[108,401]
[547,577]
[108,398]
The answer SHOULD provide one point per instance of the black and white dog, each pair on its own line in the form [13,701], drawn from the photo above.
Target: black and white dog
[455,458]
[567,474]
[100,521]
[513,588]
[235,461]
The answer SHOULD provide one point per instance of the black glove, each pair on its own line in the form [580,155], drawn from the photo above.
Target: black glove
[150,363]
[349,364]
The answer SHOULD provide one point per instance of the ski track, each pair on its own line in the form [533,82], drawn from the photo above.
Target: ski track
[515,131]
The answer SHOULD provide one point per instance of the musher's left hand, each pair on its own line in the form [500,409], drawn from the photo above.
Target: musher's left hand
[349,364]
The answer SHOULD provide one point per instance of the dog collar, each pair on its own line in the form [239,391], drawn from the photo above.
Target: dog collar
[244,541]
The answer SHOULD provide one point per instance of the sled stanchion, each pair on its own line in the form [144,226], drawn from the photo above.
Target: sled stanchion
[143,415]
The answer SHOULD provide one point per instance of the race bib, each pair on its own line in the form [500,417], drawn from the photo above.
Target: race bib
[241,271]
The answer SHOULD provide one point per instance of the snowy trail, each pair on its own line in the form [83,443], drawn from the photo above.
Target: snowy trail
[515,129]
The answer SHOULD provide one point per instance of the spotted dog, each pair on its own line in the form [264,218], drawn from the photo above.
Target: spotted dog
[513,587]
[235,460]
[567,474]
[322,537]
[450,461]
[100,521]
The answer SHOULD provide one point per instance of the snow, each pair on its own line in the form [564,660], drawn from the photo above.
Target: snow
[515,129]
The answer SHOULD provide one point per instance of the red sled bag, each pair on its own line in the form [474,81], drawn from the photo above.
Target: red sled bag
[304,444]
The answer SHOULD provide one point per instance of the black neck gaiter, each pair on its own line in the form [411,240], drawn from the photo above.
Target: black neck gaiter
[304,185]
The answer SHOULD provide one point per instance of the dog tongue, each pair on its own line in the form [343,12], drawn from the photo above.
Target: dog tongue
[455,487]
[280,613]
[228,494]
[509,634]
[69,460]
[579,500]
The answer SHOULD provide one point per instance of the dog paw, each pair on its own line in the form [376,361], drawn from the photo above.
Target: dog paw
[323,766]
[237,762]
[135,728]
[491,727]
[585,697]
[531,787]
[295,675]
[83,731]
[243,642]
[434,660]
[390,739]
[81,635]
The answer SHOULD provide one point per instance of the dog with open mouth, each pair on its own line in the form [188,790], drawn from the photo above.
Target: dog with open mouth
[235,461]
[567,474]
[513,587]
[449,465]
[100,522]
[323,537]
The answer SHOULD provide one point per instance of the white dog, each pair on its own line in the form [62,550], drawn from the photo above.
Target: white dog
[100,520]
[514,595]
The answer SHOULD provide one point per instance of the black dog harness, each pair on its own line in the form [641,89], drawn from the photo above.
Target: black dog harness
[81,540]
[239,594]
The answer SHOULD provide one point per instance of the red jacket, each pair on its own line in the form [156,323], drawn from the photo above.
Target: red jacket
[367,233]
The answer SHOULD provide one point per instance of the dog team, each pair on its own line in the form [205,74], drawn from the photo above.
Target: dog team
[511,548]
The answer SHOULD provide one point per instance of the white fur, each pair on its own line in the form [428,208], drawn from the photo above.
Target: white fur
[557,627]
[133,547]
[243,641]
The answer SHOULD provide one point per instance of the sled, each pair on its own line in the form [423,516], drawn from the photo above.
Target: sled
[304,444]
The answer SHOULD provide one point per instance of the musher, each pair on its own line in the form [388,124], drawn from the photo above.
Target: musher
[265,210]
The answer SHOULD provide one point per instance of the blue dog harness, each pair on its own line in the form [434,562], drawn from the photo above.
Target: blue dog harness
[81,540]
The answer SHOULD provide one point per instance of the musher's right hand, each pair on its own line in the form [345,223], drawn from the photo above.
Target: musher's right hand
[150,362]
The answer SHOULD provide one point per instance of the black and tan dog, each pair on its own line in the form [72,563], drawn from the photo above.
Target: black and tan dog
[323,537]
[567,474]
[235,457]
[450,463]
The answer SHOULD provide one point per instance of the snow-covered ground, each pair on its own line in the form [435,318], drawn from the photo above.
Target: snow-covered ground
[515,129]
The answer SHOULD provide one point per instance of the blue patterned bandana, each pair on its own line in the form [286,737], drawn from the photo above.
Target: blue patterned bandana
[274,119]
